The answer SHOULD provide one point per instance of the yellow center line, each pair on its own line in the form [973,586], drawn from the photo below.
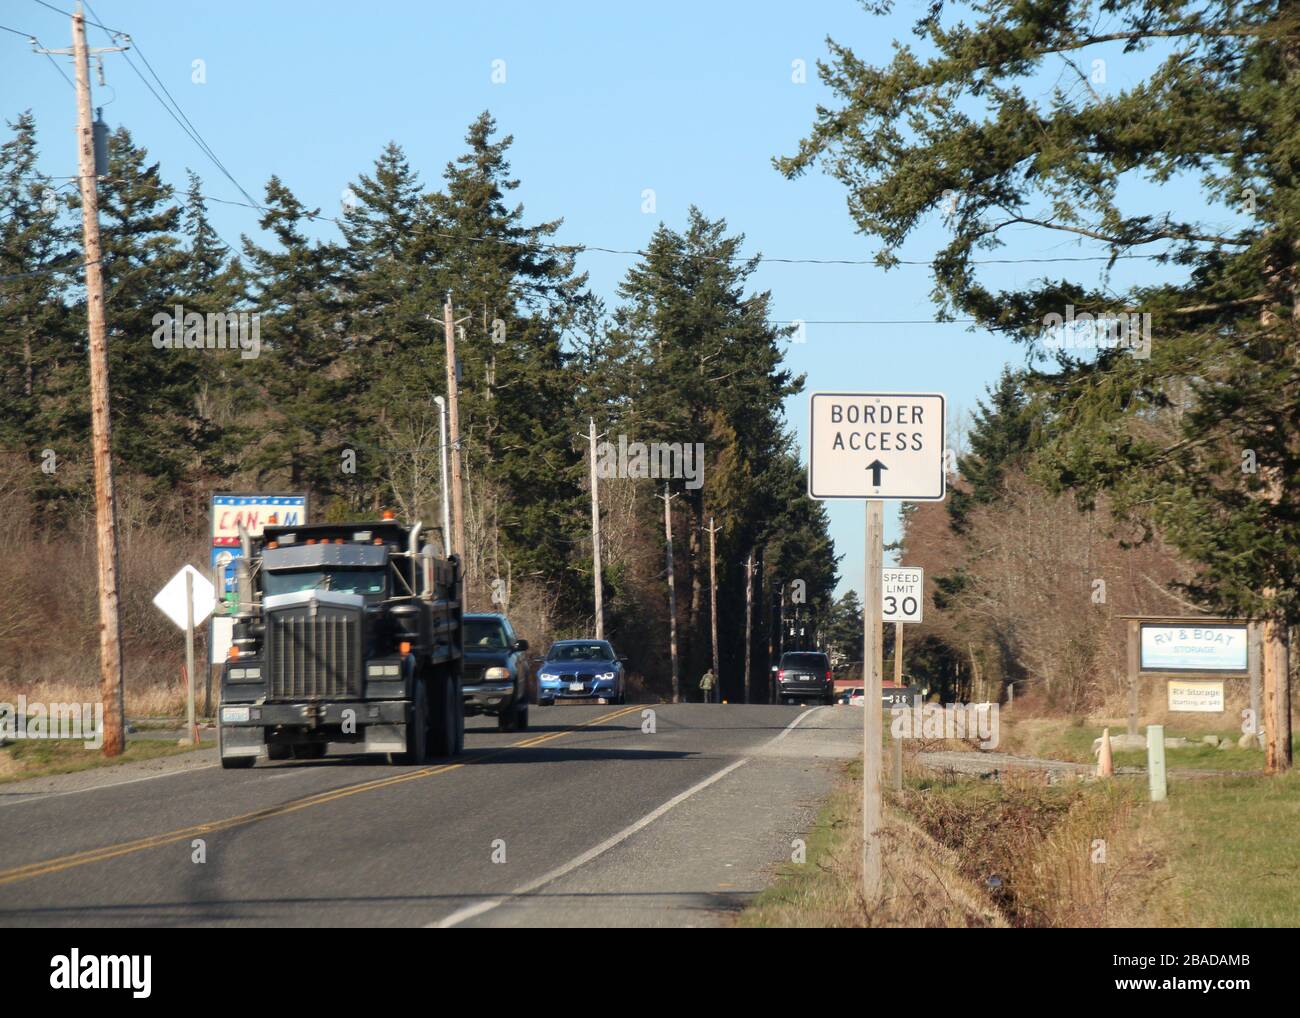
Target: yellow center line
[48,866]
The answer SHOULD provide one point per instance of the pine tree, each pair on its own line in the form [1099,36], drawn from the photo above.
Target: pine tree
[1200,438]
[37,339]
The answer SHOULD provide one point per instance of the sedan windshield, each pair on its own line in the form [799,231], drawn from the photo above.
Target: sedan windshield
[581,652]
[342,581]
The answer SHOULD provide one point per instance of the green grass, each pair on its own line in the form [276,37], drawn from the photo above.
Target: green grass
[1059,739]
[38,758]
[1232,849]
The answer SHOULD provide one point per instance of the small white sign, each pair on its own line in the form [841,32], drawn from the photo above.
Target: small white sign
[171,599]
[1190,695]
[876,445]
[902,594]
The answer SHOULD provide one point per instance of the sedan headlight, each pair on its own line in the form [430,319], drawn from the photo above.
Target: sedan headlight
[605,675]
[548,676]
[497,674]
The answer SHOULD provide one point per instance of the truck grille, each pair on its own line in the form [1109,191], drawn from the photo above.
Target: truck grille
[314,657]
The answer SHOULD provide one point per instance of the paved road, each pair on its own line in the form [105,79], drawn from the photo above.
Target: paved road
[584,820]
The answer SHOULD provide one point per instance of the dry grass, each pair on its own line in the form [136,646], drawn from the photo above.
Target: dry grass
[1051,855]
[922,883]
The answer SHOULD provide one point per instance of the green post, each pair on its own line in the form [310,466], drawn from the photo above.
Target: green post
[1156,762]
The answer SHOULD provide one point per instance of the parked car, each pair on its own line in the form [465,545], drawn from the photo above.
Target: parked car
[581,670]
[498,679]
[804,675]
[852,696]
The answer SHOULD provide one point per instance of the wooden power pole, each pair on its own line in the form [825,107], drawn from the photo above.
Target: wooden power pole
[713,605]
[595,533]
[453,418]
[749,615]
[1277,700]
[110,641]
[672,590]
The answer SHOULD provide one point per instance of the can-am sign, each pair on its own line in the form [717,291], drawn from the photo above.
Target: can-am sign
[1193,648]
[254,512]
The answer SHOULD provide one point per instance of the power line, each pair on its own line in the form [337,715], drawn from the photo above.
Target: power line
[68,14]
[174,110]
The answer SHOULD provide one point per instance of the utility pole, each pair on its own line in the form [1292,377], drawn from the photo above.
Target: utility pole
[672,589]
[595,535]
[713,606]
[110,640]
[453,415]
[749,613]
[442,457]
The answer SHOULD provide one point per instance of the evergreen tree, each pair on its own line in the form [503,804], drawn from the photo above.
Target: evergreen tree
[1197,434]
[303,368]
[37,339]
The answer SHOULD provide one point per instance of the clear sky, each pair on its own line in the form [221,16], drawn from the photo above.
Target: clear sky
[604,101]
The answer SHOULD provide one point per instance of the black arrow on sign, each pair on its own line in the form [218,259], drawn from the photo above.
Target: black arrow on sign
[875,466]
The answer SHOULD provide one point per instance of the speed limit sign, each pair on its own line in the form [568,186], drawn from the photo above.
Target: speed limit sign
[903,594]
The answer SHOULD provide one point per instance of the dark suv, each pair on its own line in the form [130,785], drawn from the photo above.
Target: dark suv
[499,679]
[805,675]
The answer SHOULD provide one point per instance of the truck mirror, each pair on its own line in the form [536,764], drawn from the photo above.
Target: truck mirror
[521,645]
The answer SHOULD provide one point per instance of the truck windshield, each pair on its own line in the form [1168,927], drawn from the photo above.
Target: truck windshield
[484,634]
[341,581]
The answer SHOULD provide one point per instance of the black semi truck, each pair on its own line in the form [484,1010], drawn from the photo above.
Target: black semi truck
[346,635]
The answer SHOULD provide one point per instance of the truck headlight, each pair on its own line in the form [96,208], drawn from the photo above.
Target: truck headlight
[245,674]
[497,674]
[383,671]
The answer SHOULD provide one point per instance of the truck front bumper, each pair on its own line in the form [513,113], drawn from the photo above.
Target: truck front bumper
[370,726]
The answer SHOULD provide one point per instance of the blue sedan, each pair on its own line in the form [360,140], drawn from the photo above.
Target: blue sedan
[581,670]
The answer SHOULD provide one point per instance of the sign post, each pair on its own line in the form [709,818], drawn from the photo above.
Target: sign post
[875,446]
[187,599]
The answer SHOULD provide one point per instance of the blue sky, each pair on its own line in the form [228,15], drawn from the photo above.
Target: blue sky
[604,101]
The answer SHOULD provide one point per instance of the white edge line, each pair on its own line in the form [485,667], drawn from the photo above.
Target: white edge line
[472,911]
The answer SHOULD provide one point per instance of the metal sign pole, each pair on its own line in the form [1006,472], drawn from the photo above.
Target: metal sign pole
[873,629]
[189,654]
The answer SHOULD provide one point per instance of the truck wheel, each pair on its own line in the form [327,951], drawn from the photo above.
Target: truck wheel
[417,728]
[448,717]
[232,763]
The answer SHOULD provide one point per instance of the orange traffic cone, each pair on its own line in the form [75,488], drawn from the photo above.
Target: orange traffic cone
[1105,762]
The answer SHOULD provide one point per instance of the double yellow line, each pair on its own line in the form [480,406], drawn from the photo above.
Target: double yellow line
[48,866]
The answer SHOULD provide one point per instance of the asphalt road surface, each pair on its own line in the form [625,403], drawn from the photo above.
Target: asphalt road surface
[584,820]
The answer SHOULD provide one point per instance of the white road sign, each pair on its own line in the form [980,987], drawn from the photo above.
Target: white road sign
[902,594]
[171,599]
[876,445]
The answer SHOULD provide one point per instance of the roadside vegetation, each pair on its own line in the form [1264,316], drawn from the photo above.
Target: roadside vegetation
[1046,737]
[1032,852]
[40,758]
